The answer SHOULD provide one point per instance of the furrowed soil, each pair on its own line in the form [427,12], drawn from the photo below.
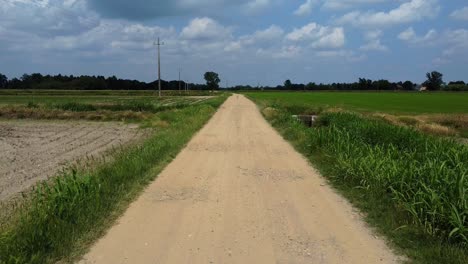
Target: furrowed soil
[239,193]
[31,151]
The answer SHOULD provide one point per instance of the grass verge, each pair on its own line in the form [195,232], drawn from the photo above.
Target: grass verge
[61,218]
[413,187]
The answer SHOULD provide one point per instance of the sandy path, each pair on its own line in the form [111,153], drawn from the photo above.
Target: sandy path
[238,193]
[31,151]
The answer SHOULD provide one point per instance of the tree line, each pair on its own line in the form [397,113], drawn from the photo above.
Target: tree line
[38,81]
[63,82]
[434,82]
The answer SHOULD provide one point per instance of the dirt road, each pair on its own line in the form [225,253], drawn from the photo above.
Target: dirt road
[31,151]
[239,193]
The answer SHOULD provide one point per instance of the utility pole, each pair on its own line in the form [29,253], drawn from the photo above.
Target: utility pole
[159,65]
[179,80]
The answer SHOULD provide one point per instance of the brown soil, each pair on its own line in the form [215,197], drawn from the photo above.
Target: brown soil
[31,151]
[239,193]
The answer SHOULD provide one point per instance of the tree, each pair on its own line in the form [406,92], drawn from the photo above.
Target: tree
[212,80]
[3,81]
[408,85]
[434,80]
[287,85]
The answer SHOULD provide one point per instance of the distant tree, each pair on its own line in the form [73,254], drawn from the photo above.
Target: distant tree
[311,86]
[212,80]
[434,80]
[365,84]
[287,85]
[457,83]
[381,85]
[408,85]
[3,81]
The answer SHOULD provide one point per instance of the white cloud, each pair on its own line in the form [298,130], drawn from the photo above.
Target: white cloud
[318,36]
[305,8]
[269,37]
[348,55]
[47,17]
[460,14]
[204,29]
[409,35]
[455,44]
[373,41]
[256,5]
[414,10]
[457,41]
[341,4]
[285,52]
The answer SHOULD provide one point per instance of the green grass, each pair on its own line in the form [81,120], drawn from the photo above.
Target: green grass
[413,187]
[62,217]
[390,102]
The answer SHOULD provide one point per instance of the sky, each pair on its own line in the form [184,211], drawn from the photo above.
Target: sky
[255,42]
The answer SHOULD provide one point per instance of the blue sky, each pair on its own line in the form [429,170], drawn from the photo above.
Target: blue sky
[256,42]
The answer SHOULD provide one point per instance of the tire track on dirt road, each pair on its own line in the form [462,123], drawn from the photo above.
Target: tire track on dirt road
[239,193]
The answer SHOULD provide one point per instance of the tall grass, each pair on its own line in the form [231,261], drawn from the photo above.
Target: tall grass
[401,177]
[426,176]
[62,214]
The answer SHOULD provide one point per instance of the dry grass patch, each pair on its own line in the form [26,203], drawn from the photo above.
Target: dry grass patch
[452,125]
[270,112]
[436,129]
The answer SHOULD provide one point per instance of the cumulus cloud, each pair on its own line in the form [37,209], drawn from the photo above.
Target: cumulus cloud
[409,35]
[414,10]
[460,14]
[341,4]
[373,41]
[284,52]
[305,8]
[204,29]
[47,17]
[148,9]
[348,55]
[457,41]
[257,5]
[318,36]
[455,44]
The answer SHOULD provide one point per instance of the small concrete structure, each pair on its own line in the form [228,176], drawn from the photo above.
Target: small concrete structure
[307,120]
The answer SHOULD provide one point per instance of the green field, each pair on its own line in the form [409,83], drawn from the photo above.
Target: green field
[389,102]
[410,182]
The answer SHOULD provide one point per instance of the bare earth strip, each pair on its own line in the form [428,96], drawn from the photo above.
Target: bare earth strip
[31,151]
[238,193]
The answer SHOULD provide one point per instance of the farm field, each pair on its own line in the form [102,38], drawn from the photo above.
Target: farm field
[92,105]
[409,181]
[35,150]
[80,157]
[388,102]
[443,114]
